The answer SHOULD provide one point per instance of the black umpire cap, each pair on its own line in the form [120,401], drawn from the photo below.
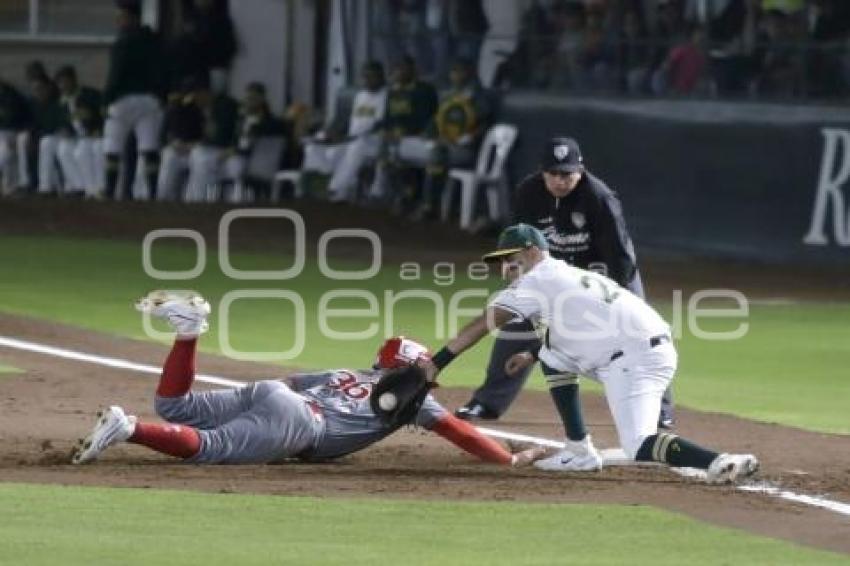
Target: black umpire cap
[563,155]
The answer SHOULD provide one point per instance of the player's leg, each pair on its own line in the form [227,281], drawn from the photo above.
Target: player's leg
[22,141]
[171,171]
[114,426]
[499,389]
[175,402]
[356,154]
[90,165]
[278,424]
[8,179]
[48,174]
[320,158]
[578,454]
[116,130]
[234,170]
[71,173]
[634,395]
[147,128]
[204,171]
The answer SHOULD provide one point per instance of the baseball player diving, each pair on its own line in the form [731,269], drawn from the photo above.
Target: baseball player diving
[597,329]
[308,416]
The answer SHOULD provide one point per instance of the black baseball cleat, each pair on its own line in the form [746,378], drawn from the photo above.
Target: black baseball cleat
[474,410]
[666,422]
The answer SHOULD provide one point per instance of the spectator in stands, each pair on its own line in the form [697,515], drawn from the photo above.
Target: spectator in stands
[80,148]
[565,64]
[15,117]
[829,26]
[456,30]
[597,55]
[523,67]
[183,128]
[342,157]
[256,122]
[731,29]
[780,68]
[48,119]
[670,30]
[685,70]
[453,137]
[210,159]
[411,104]
[635,55]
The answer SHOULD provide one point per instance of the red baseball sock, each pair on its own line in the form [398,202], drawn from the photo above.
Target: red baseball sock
[178,372]
[172,439]
[467,437]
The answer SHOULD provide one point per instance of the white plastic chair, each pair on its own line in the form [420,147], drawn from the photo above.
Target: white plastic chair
[287,175]
[489,173]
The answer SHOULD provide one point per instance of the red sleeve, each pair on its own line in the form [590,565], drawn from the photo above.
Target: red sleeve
[466,436]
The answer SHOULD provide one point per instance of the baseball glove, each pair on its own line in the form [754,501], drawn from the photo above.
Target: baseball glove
[398,396]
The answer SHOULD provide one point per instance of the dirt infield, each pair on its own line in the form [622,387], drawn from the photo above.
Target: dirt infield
[45,409]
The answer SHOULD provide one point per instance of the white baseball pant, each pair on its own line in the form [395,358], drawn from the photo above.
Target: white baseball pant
[8,171]
[209,166]
[48,169]
[634,384]
[139,113]
[172,169]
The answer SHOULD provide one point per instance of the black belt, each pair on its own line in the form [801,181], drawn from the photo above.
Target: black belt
[653,342]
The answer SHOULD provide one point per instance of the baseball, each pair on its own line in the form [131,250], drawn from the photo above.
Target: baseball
[387,401]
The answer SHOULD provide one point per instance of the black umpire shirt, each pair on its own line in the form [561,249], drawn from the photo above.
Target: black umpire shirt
[585,228]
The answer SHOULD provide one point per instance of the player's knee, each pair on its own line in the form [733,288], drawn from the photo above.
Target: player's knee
[171,409]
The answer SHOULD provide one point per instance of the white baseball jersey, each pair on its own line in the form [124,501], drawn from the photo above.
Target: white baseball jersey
[588,316]
[600,330]
[368,110]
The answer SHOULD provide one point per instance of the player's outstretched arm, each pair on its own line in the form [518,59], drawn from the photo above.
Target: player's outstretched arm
[493,317]
[465,436]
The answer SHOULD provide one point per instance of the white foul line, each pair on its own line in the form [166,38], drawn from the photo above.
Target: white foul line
[103,361]
[612,456]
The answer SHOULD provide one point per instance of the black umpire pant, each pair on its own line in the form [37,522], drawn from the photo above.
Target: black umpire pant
[500,389]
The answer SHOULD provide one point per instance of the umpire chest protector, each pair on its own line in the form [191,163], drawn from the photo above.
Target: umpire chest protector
[585,228]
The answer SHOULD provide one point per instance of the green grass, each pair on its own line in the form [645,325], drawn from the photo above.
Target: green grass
[790,367]
[128,526]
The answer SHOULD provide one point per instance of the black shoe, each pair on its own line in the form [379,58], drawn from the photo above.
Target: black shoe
[476,411]
[666,422]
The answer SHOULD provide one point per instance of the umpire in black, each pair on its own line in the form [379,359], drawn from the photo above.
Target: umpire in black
[582,219]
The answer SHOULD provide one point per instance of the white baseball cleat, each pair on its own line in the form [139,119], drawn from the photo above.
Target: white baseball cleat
[186,312]
[728,468]
[112,427]
[577,456]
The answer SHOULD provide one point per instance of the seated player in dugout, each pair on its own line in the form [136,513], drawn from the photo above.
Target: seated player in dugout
[411,105]
[453,137]
[307,416]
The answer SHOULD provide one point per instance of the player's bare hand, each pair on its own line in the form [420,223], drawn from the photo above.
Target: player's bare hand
[518,362]
[530,455]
